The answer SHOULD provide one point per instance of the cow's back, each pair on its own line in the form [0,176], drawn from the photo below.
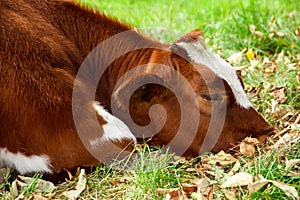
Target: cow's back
[37,71]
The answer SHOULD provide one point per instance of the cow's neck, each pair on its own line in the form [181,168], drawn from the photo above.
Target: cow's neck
[87,30]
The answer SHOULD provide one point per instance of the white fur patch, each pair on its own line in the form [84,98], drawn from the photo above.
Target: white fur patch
[201,55]
[114,129]
[24,164]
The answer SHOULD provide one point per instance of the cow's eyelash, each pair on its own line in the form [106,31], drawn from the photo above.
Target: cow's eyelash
[212,97]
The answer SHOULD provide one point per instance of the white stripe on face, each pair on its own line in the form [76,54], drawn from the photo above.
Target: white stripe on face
[114,129]
[24,164]
[201,55]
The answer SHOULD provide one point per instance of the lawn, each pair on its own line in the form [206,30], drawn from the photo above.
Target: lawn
[262,40]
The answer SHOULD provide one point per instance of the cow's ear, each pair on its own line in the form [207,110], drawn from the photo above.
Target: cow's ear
[140,88]
[194,36]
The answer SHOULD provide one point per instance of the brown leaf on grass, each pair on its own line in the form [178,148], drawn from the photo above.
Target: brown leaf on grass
[14,189]
[289,164]
[38,197]
[261,182]
[171,194]
[292,167]
[189,188]
[254,63]
[280,57]
[41,187]
[198,189]
[203,186]
[235,168]
[217,162]
[197,196]
[118,181]
[79,188]
[286,141]
[247,146]
[239,179]
[172,191]
[247,149]
[288,190]
[4,174]
[210,194]
[253,31]
[271,66]
[191,169]
[279,94]
[236,57]
[230,195]
[223,159]
[203,168]
[255,91]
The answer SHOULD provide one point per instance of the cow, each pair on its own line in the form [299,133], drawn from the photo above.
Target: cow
[78,88]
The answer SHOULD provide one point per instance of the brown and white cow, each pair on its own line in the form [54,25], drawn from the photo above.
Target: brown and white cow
[43,46]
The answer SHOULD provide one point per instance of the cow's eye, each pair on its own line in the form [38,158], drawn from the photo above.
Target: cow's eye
[212,97]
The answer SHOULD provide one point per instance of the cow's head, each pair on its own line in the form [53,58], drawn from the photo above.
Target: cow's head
[204,105]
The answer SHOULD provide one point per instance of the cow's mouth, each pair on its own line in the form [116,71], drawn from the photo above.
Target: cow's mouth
[261,136]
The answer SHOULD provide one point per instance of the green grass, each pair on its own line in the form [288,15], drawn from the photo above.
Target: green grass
[226,26]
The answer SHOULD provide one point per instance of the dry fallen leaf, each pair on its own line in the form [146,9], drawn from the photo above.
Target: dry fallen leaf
[286,141]
[203,186]
[235,168]
[39,197]
[189,188]
[247,149]
[4,174]
[292,166]
[210,194]
[291,163]
[271,66]
[239,179]
[288,190]
[229,194]
[223,159]
[279,94]
[41,187]
[261,182]
[254,63]
[280,57]
[236,57]
[172,193]
[197,196]
[79,188]
[247,146]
